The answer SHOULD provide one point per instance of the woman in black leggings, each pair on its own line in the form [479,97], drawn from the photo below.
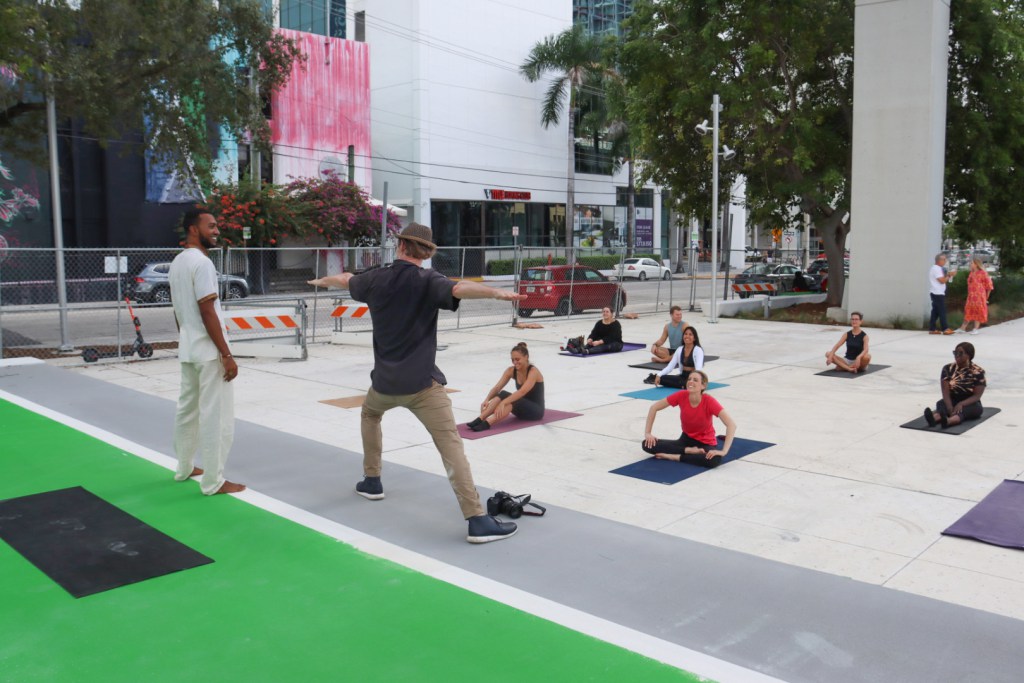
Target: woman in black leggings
[962,384]
[526,403]
[688,357]
[606,337]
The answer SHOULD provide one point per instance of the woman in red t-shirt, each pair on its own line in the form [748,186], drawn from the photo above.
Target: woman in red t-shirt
[697,445]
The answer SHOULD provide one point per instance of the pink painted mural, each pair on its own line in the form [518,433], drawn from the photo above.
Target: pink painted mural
[323,110]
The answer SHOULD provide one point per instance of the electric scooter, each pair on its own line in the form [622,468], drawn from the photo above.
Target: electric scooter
[139,346]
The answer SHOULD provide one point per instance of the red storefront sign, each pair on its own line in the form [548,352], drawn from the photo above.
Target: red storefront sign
[507,195]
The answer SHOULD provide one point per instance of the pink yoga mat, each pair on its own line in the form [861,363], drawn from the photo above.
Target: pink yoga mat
[512,423]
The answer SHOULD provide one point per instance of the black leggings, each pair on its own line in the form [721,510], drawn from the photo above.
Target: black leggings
[678,447]
[971,411]
[675,381]
[607,347]
[524,408]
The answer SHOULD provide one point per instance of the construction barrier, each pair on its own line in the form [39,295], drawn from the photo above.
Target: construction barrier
[350,311]
[758,288]
[267,332]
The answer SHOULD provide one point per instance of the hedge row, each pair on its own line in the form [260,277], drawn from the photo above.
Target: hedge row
[598,262]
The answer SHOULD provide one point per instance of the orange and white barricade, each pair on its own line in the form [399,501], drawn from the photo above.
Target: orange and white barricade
[755,288]
[267,332]
[348,319]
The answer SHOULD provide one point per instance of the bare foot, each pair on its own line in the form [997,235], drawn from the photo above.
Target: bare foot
[196,471]
[666,456]
[230,487]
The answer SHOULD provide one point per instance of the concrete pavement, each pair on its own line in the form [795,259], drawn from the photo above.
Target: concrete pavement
[845,490]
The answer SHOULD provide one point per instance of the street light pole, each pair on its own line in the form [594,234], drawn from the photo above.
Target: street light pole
[714,208]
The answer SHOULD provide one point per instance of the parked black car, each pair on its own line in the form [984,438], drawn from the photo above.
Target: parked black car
[783,276]
[151,285]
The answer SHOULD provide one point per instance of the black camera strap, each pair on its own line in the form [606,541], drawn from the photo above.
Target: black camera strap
[531,513]
[525,502]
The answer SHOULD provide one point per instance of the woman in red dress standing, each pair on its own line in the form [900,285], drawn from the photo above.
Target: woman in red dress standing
[979,286]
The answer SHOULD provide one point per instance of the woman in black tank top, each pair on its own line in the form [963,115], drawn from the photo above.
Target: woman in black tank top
[526,403]
[857,357]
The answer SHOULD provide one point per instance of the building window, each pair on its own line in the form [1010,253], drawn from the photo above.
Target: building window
[323,17]
[351,163]
[361,27]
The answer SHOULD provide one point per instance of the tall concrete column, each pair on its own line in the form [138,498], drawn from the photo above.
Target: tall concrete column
[899,135]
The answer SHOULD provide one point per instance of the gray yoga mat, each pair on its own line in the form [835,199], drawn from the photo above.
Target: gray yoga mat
[661,366]
[922,424]
[833,372]
[998,519]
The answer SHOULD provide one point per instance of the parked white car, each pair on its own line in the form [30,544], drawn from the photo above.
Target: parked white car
[642,269]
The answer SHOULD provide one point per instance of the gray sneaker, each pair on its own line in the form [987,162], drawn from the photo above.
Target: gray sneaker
[370,488]
[484,529]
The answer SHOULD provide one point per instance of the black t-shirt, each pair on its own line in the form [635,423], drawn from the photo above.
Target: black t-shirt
[962,380]
[854,344]
[404,300]
[611,332]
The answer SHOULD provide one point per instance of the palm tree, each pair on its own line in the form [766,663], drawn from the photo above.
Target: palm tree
[574,56]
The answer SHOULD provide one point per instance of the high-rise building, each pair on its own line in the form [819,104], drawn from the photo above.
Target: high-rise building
[601,17]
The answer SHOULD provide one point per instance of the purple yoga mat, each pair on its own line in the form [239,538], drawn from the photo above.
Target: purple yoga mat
[626,346]
[512,423]
[998,519]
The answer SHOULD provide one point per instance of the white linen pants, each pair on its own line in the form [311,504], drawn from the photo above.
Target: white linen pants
[204,422]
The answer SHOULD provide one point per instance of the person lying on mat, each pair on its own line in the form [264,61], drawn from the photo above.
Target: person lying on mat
[697,445]
[526,403]
[673,334]
[963,383]
[606,337]
[856,340]
[688,357]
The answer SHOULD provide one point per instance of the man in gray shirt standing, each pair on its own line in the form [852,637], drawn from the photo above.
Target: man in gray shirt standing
[404,300]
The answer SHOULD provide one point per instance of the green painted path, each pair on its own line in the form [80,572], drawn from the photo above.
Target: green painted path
[280,603]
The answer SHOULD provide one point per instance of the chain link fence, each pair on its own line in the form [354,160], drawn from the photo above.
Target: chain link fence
[106,288]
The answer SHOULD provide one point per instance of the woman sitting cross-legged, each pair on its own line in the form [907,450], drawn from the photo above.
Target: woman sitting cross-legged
[963,383]
[526,403]
[606,337]
[856,340]
[688,358]
[697,444]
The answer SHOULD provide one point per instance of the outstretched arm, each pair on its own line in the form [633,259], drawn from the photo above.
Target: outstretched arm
[466,289]
[340,281]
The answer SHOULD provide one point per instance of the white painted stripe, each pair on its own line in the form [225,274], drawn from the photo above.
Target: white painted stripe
[649,646]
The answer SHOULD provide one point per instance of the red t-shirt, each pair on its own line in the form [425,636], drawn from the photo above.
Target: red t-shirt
[697,422]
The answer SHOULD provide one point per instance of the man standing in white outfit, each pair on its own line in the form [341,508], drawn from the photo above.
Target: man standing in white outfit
[205,420]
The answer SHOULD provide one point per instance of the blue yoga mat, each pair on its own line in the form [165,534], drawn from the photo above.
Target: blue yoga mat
[658,393]
[671,472]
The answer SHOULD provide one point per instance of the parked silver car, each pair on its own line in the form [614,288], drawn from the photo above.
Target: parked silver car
[151,285]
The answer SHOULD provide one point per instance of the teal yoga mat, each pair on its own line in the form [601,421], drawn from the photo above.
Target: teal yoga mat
[658,393]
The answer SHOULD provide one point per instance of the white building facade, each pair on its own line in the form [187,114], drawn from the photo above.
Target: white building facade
[457,134]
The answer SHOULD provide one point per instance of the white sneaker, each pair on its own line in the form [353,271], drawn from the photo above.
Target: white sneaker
[958,331]
[973,332]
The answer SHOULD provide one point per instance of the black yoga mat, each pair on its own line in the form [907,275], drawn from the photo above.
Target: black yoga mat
[998,519]
[86,545]
[922,424]
[846,374]
[661,366]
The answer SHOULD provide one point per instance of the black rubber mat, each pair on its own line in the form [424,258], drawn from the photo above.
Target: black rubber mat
[922,424]
[846,374]
[86,545]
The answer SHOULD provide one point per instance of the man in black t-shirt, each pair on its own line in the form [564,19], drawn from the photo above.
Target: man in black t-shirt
[404,300]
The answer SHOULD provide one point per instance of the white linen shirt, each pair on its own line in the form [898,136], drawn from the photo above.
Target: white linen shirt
[192,277]
[934,286]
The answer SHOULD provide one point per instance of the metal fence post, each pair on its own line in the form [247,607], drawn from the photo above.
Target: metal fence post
[517,261]
[462,276]
[621,278]
[120,300]
[316,299]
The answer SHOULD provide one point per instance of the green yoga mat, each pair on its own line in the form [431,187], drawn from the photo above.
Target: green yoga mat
[281,602]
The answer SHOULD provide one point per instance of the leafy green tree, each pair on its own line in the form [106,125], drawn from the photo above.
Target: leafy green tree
[574,57]
[185,67]
[784,72]
[985,126]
